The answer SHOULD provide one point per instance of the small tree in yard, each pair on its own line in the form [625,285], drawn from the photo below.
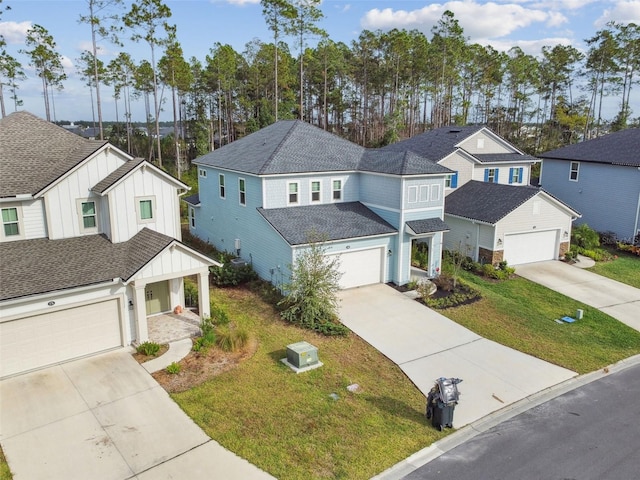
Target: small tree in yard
[311,299]
[458,257]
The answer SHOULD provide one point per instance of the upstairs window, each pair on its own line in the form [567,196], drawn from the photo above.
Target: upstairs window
[242,192]
[146,208]
[10,222]
[451,180]
[192,217]
[515,175]
[336,187]
[221,185]
[88,216]
[315,191]
[491,175]
[573,171]
[292,188]
[202,172]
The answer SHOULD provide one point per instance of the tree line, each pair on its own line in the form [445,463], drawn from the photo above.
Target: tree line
[383,87]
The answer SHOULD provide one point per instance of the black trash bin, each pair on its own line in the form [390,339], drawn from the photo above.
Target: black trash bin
[442,401]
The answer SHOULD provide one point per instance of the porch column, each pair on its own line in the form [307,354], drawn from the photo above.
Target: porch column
[203,294]
[140,308]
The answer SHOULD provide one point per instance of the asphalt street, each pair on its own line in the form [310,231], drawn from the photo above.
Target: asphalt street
[592,432]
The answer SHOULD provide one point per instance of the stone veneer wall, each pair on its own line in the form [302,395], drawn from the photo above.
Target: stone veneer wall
[564,248]
[490,256]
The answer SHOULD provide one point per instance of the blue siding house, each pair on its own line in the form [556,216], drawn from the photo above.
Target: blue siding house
[601,179]
[265,196]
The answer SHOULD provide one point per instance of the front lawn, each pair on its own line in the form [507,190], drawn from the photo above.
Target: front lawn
[288,424]
[625,268]
[521,314]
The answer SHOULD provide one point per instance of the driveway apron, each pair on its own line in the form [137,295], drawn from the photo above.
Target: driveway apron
[105,417]
[619,300]
[426,345]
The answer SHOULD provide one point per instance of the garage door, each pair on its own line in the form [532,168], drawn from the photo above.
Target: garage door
[41,340]
[530,247]
[362,267]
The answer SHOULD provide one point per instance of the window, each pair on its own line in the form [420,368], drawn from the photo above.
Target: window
[202,172]
[424,193]
[146,208]
[88,213]
[336,187]
[315,191]
[573,171]
[242,191]
[451,180]
[292,190]
[515,175]
[221,185]
[10,222]
[192,217]
[412,194]
[435,193]
[491,175]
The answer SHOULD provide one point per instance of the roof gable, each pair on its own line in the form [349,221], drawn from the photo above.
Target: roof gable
[35,153]
[128,169]
[435,144]
[618,148]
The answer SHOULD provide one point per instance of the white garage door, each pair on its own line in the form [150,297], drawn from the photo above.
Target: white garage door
[41,340]
[530,247]
[362,267]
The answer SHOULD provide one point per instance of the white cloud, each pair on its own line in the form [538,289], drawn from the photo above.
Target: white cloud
[530,47]
[624,11]
[87,46]
[559,4]
[238,2]
[14,32]
[556,19]
[488,20]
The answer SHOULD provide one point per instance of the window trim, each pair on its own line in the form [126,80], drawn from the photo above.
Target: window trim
[452,180]
[340,191]
[139,200]
[311,191]
[19,222]
[202,172]
[435,193]
[423,195]
[222,189]
[412,194]
[81,216]
[192,217]
[296,193]
[242,191]
[491,178]
[516,174]
[572,171]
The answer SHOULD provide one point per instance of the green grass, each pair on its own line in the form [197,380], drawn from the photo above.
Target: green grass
[625,268]
[520,314]
[288,424]
[5,473]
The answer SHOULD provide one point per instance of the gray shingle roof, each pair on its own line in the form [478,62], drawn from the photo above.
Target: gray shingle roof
[618,148]
[435,144]
[487,202]
[31,267]
[34,153]
[116,175]
[505,158]
[428,225]
[192,199]
[335,221]
[292,146]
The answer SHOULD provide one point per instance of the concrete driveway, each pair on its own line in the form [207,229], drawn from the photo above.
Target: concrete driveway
[619,300]
[105,417]
[427,345]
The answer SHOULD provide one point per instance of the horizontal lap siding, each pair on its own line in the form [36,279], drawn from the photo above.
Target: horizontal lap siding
[462,236]
[380,190]
[463,166]
[607,196]
[277,193]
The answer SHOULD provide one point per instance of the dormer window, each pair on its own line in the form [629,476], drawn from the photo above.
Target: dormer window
[145,209]
[88,213]
[11,222]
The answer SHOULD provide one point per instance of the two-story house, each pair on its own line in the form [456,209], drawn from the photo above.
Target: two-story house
[492,212]
[90,246]
[600,177]
[266,196]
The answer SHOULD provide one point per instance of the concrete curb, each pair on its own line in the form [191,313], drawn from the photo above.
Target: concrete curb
[424,456]
[177,351]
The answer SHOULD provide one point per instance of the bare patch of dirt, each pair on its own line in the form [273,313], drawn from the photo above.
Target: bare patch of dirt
[198,367]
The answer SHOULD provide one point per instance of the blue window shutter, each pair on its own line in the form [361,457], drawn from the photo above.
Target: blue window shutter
[486,174]
[495,179]
[521,173]
[454,180]
[511,175]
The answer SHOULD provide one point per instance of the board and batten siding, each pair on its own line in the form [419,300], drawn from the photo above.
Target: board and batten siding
[123,200]
[607,196]
[31,220]
[61,201]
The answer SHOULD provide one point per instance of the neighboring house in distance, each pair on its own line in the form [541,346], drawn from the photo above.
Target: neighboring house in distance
[492,222]
[263,196]
[601,178]
[472,153]
[90,245]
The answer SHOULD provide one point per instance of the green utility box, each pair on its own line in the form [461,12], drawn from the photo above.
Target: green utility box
[302,354]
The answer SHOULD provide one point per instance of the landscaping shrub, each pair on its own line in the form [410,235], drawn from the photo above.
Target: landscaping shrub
[444,282]
[150,349]
[229,275]
[463,294]
[585,237]
[231,339]
[173,368]
[208,336]
[219,315]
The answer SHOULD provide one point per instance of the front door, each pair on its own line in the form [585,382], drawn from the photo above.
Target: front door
[157,297]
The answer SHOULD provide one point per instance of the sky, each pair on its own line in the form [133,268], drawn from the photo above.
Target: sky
[529,24]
